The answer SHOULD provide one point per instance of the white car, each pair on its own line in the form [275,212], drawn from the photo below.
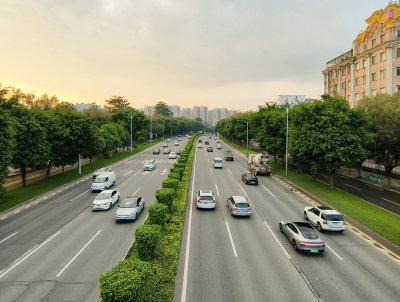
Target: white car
[130,208]
[218,162]
[199,145]
[324,218]
[100,170]
[205,199]
[172,155]
[149,165]
[219,146]
[105,200]
[168,140]
[176,144]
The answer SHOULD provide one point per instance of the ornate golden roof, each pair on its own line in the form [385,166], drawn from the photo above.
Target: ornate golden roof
[386,17]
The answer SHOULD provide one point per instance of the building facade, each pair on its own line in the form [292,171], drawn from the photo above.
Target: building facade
[81,107]
[373,64]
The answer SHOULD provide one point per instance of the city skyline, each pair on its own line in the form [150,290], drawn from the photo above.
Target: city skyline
[229,54]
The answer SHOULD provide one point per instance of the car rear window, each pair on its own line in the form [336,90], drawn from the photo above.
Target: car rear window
[206,197]
[308,232]
[334,217]
[103,195]
[99,179]
[128,204]
[242,205]
[218,161]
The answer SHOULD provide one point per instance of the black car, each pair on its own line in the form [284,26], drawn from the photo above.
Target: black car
[210,149]
[178,151]
[167,151]
[249,178]
[156,151]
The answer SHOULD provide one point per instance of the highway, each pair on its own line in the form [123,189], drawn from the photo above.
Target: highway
[225,258]
[54,249]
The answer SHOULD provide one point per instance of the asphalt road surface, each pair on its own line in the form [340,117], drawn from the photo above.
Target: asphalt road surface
[54,249]
[225,258]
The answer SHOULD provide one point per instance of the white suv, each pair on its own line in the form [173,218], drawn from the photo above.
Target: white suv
[324,218]
[218,162]
[205,199]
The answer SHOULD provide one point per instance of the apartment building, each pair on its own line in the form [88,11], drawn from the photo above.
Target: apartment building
[373,64]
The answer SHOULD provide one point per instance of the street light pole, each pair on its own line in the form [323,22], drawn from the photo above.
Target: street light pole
[131,135]
[247,140]
[287,136]
[163,129]
[151,125]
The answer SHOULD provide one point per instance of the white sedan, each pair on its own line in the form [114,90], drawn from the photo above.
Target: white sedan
[105,200]
[172,155]
[129,208]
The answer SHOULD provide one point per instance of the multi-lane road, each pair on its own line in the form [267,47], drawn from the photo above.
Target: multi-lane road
[225,258]
[53,249]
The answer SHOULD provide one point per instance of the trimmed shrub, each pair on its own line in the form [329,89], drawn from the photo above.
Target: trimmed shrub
[182,160]
[170,183]
[126,281]
[179,171]
[157,214]
[179,165]
[166,196]
[146,241]
[174,175]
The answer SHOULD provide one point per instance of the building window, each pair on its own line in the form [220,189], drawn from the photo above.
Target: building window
[382,38]
[373,60]
[364,94]
[364,46]
[382,56]
[398,33]
[356,50]
[382,90]
[398,52]
[373,76]
[348,84]
[343,85]
[373,92]
[373,42]
[398,87]
[336,74]
[364,79]
[382,74]
[364,63]
[357,96]
[348,69]
[356,82]
[343,71]
[398,71]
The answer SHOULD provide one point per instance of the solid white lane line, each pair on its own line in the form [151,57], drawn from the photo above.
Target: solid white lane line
[247,171]
[186,267]
[27,255]
[265,188]
[80,195]
[217,189]
[230,237]
[230,171]
[277,240]
[8,237]
[243,190]
[76,256]
[336,254]
[211,171]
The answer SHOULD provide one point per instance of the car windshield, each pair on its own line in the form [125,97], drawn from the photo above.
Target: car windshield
[242,205]
[100,169]
[206,197]
[130,203]
[334,217]
[308,232]
[99,179]
[103,195]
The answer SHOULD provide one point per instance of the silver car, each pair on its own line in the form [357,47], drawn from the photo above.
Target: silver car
[302,236]
[149,165]
[238,206]
[205,199]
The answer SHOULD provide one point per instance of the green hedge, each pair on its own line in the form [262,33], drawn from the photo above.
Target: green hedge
[146,240]
[178,170]
[180,165]
[170,183]
[174,175]
[157,214]
[126,281]
[166,196]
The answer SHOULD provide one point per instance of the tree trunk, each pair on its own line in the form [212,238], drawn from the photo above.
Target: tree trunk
[48,169]
[313,175]
[359,171]
[62,168]
[23,175]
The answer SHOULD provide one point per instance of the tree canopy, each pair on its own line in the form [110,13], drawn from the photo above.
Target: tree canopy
[162,108]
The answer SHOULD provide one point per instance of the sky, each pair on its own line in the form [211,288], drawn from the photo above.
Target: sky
[237,54]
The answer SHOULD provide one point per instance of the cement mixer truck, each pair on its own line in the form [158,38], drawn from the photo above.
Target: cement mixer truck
[258,164]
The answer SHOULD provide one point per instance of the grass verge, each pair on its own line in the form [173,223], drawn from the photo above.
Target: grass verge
[17,196]
[237,147]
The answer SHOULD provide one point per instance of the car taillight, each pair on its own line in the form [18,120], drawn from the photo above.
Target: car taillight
[198,200]
[235,209]
[248,209]
[325,222]
[308,243]
[213,199]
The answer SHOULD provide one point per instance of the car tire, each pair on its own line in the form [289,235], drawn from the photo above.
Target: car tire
[280,227]
[294,244]
[305,216]
[319,228]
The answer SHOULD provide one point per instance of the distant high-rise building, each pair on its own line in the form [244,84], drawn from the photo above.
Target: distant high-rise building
[201,112]
[186,112]
[148,110]
[176,110]
[81,107]
[291,99]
